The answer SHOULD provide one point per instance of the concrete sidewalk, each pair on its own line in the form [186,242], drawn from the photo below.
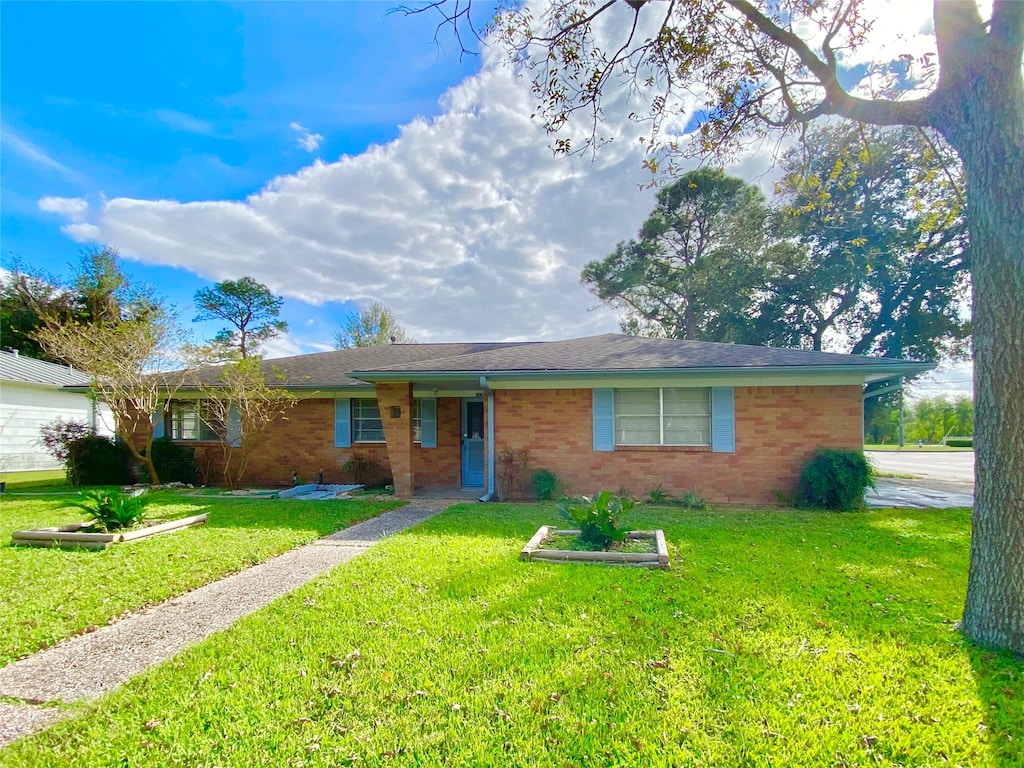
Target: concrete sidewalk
[89,665]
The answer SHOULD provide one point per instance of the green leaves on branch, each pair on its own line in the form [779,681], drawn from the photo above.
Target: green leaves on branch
[251,310]
[375,326]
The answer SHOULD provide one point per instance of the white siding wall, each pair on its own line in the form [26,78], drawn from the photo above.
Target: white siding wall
[24,408]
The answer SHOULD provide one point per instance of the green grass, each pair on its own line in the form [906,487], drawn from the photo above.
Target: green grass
[913,447]
[43,478]
[47,595]
[777,638]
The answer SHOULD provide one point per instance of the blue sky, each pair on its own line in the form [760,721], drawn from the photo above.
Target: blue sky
[197,101]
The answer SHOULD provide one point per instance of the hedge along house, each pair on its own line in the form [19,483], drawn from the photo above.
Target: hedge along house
[730,422]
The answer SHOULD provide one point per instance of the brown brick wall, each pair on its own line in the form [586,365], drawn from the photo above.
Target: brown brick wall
[304,442]
[441,467]
[777,428]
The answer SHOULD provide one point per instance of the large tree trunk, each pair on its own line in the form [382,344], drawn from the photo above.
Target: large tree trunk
[981,113]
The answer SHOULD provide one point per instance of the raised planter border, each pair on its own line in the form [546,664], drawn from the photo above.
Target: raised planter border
[71,536]
[656,559]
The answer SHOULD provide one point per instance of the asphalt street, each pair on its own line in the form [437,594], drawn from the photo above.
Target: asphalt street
[940,479]
[951,466]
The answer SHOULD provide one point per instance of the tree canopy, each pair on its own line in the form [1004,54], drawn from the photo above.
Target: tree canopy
[881,217]
[374,326]
[97,290]
[866,248]
[693,270]
[250,309]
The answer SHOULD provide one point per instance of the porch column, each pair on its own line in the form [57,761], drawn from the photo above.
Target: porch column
[395,404]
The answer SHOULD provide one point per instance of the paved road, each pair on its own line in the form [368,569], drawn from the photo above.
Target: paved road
[952,466]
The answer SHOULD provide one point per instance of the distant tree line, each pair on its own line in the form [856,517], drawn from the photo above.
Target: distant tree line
[928,420]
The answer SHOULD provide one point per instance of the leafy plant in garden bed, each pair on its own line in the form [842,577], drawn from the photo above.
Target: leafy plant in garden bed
[597,518]
[111,510]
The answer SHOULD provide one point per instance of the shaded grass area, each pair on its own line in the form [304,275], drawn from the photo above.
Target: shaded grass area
[51,479]
[777,638]
[47,595]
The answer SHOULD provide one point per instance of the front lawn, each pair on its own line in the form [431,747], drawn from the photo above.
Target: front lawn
[777,638]
[47,595]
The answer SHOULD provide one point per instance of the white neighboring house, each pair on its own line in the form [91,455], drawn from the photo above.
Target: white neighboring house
[32,394]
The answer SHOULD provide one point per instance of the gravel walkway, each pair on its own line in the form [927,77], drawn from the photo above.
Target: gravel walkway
[89,665]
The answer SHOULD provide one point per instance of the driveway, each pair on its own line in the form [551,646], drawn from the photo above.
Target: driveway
[940,479]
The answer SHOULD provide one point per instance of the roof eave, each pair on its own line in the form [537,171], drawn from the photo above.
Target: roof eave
[871,372]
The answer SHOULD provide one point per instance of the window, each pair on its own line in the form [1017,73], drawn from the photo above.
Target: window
[366,424]
[190,420]
[417,422]
[668,416]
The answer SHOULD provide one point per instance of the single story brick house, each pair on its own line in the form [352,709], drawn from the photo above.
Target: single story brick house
[727,421]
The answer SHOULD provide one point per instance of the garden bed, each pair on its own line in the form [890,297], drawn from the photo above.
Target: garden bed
[80,535]
[656,556]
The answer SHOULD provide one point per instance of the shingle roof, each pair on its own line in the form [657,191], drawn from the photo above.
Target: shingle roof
[616,352]
[608,353]
[332,369]
[31,371]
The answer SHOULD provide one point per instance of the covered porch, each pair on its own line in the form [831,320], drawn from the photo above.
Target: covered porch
[439,436]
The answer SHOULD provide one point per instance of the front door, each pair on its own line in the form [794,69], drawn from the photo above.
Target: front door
[472,443]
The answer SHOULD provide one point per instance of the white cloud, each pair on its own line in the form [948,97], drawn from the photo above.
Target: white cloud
[74,208]
[307,140]
[465,225]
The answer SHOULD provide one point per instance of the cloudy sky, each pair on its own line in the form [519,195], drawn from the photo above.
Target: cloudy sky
[333,151]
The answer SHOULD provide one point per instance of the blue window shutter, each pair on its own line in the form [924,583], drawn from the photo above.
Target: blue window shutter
[342,422]
[233,433]
[604,419]
[158,423]
[428,422]
[723,420]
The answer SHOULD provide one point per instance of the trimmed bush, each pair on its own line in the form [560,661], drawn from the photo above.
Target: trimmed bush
[174,463]
[835,479]
[960,443]
[545,484]
[96,460]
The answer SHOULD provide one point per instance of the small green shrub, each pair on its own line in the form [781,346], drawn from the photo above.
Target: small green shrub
[95,460]
[598,518]
[110,510]
[658,496]
[835,479]
[690,500]
[960,443]
[174,463]
[545,484]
